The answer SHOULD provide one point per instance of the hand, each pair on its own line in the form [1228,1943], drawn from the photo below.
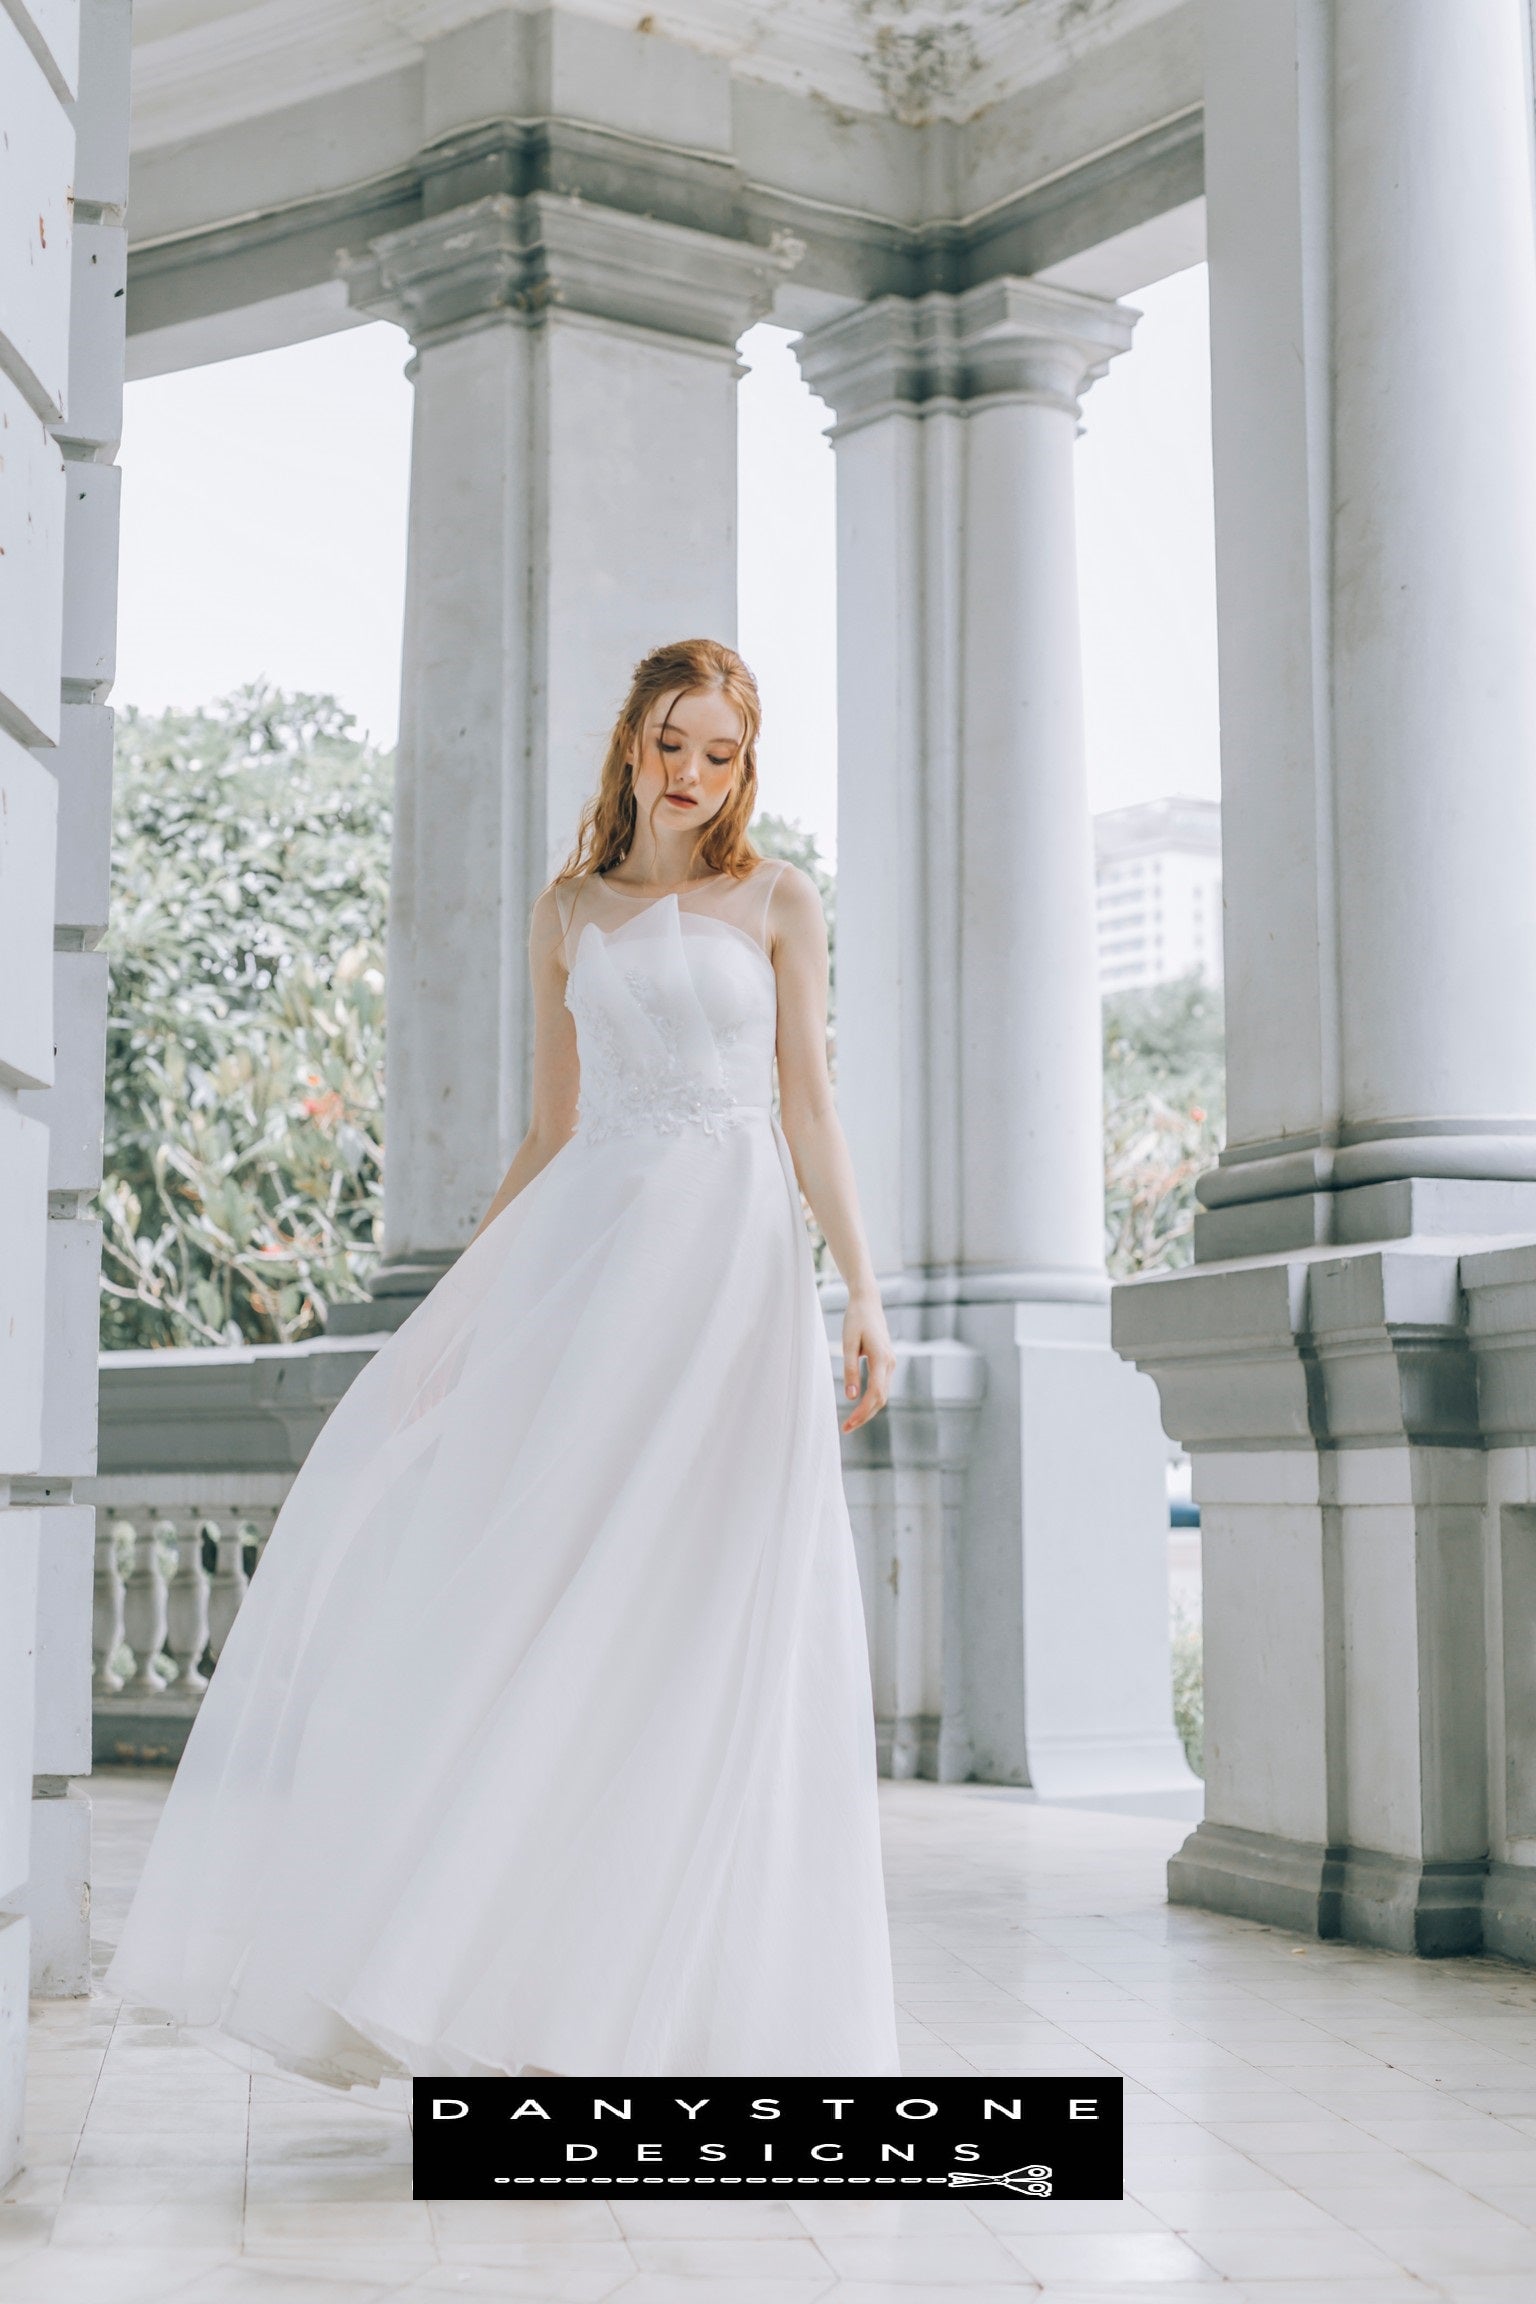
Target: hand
[866,1337]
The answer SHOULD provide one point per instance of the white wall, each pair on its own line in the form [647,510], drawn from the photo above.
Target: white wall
[63,125]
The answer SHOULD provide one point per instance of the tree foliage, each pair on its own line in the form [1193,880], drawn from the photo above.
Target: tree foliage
[246,1036]
[1164,1118]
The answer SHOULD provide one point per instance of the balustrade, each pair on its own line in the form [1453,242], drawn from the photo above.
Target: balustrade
[169,1582]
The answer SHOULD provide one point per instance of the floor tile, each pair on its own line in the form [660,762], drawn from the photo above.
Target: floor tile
[1333,2256]
[1047,2217]
[120,2275]
[1431,2253]
[698,2258]
[709,2219]
[1277,2210]
[915,2256]
[1108,2257]
[110,2225]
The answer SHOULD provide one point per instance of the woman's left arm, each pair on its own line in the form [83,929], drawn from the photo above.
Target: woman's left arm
[798,933]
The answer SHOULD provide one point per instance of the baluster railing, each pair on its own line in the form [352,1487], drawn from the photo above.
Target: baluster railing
[172,1573]
[107,1608]
[186,1609]
[228,1584]
[144,1609]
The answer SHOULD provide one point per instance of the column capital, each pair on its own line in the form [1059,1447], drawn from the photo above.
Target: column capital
[1008,338]
[525,256]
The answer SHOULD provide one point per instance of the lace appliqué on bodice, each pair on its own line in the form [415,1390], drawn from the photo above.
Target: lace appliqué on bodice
[615,1100]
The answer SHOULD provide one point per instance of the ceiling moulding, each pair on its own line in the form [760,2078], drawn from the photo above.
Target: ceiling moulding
[201,65]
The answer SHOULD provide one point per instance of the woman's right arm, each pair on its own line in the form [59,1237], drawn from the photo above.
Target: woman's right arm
[556,1070]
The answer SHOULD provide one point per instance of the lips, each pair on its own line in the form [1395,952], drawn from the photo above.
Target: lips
[681,800]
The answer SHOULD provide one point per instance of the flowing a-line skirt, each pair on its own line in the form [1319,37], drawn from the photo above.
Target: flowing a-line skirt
[544,1734]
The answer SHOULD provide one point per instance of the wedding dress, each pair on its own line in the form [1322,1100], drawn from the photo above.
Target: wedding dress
[544,1733]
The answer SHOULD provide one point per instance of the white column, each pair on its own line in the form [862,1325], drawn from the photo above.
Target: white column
[1368,173]
[1434,588]
[1031,1090]
[1369,180]
[573,504]
[968,1025]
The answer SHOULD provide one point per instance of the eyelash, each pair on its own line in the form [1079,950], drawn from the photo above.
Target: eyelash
[714,763]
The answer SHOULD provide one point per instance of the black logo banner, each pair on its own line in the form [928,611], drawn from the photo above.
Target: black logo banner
[1036,2139]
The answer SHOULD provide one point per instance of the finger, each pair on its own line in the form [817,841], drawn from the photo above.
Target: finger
[866,1408]
[876,1390]
[851,1373]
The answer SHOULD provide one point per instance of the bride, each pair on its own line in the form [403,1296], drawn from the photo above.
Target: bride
[543,1739]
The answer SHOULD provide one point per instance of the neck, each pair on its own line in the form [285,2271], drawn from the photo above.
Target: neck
[665,857]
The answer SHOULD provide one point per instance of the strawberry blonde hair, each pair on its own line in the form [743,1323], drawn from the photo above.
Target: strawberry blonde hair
[607,829]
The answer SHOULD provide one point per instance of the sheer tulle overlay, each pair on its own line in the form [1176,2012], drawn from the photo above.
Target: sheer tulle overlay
[544,1735]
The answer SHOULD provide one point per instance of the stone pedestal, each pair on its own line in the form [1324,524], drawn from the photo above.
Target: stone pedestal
[573,504]
[968,1040]
[1368,176]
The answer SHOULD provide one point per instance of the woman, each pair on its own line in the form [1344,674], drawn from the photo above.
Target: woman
[543,1740]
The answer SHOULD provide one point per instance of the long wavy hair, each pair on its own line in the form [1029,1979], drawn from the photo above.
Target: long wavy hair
[607,829]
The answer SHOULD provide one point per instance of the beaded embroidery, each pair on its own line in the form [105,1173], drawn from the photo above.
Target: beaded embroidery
[615,1100]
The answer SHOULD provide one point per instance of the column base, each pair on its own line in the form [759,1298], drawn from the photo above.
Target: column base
[1403,1905]
[1065,1562]
[59,1892]
[1509,1912]
[1259,1876]
[907,1746]
[15,1955]
[399,1285]
[1397,1903]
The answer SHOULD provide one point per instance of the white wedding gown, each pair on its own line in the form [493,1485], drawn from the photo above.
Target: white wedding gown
[544,1734]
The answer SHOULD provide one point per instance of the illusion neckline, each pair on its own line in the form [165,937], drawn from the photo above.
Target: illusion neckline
[607,935]
[706,881]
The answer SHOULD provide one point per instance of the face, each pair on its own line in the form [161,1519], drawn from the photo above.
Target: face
[687,763]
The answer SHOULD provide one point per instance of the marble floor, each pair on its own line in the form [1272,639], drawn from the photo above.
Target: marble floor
[1307,2124]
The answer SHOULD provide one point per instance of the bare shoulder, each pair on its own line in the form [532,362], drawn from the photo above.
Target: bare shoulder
[794,901]
[550,917]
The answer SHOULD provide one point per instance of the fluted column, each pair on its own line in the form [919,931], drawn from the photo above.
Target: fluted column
[573,503]
[1362,1484]
[968,1024]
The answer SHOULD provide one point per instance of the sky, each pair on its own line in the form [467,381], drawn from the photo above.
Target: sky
[264,529]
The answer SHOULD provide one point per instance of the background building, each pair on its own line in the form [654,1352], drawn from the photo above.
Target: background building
[1158,873]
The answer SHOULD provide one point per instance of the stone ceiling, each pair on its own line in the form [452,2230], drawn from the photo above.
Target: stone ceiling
[200,64]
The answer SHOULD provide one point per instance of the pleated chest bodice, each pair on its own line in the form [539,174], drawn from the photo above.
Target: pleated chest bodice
[675,1007]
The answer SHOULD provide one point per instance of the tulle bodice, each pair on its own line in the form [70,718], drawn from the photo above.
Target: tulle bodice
[675,1006]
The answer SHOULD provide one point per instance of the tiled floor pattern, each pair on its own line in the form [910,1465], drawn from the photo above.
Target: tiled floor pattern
[1307,2124]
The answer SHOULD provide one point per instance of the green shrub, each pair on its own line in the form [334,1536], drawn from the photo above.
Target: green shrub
[1164,1119]
[245,1047]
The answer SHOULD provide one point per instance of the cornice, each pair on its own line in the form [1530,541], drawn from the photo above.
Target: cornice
[851,255]
[526,256]
[205,64]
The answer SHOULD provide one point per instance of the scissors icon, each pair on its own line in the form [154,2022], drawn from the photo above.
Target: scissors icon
[1034,2183]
